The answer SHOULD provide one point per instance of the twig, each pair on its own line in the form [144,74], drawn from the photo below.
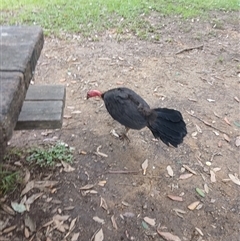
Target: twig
[190,48]
[123,172]
[206,123]
[98,153]
[215,154]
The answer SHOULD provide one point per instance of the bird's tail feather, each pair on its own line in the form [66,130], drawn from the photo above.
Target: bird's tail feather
[168,126]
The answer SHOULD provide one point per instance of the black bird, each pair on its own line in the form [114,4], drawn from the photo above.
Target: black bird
[132,111]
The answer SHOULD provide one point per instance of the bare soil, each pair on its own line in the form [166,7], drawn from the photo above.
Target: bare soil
[203,81]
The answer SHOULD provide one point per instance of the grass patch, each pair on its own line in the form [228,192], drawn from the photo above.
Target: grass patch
[91,17]
[48,157]
[9,180]
[44,157]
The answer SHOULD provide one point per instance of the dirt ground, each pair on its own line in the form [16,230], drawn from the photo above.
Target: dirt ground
[202,83]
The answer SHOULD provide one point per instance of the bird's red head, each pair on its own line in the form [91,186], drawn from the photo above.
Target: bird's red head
[93,93]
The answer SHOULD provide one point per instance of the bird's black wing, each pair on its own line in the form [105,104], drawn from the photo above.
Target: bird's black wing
[123,105]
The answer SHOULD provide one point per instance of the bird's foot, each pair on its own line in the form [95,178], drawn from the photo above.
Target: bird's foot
[124,137]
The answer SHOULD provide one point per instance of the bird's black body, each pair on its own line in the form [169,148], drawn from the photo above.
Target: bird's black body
[122,104]
[130,110]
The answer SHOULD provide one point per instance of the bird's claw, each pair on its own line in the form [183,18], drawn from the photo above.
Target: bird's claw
[124,137]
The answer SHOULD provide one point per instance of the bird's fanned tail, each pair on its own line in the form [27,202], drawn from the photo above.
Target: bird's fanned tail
[168,125]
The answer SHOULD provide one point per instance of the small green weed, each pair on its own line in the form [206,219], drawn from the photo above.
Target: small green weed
[49,157]
[220,59]
[9,180]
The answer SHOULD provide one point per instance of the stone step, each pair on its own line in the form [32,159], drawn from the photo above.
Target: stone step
[43,108]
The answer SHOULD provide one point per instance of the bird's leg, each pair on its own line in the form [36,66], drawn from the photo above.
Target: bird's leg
[124,136]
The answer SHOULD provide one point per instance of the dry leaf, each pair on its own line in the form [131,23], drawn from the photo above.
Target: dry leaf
[9,229]
[47,224]
[24,199]
[216,114]
[76,112]
[199,206]
[179,210]
[125,204]
[236,98]
[210,100]
[28,187]
[114,222]
[237,142]
[34,197]
[189,169]
[206,188]
[18,163]
[170,171]
[216,133]
[199,231]
[102,183]
[3,224]
[46,133]
[227,121]
[30,223]
[75,236]
[185,176]
[60,218]
[145,166]
[44,184]
[219,144]
[69,208]
[212,176]
[71,227]
[90,191]
[234,179]
[175,198]
[194,134]
[114,133]
[86,187]
[59,222]
[128,214]
[226,137]
[193,205]
[150,221]
[103,203]
[67,167]
[99,236]
[191,99]
[168,236]
[198,128]
[216,169]
[99,220]
[7,209]
[26,233]
[60,226]
[72,224]
[27,177]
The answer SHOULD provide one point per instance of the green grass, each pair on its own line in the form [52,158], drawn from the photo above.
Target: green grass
[9,180]
[47,157]
[91,17]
